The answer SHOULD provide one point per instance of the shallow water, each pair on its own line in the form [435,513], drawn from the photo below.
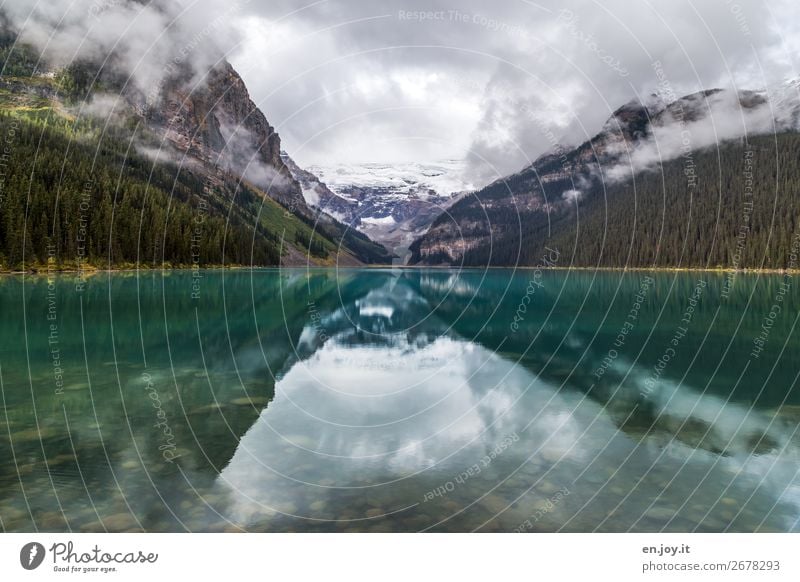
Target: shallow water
[378,400]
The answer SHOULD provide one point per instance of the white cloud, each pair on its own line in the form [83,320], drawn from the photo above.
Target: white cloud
[359,81]
[480,70]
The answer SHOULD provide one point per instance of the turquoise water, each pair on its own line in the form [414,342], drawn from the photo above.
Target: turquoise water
[380,400]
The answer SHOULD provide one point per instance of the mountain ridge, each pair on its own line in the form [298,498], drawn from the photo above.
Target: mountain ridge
[638,139]
[391,203]
[211,130]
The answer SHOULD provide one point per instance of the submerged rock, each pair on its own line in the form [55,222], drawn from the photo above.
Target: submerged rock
[120,522]
[250,401]
[660,513]
[494,503]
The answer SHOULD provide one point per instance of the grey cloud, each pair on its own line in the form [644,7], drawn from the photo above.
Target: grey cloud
[142,39]
[570,63]
[242,157]
[705,121]
[499,82]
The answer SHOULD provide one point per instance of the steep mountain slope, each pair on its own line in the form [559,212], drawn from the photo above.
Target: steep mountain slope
[224,184]
[216,122]
[657,164]
[317,194]
[71,199]
[319,199]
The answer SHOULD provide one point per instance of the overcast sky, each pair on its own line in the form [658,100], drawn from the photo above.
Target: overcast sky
[501,80]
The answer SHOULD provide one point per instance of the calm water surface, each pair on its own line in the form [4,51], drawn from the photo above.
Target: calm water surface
[377,400]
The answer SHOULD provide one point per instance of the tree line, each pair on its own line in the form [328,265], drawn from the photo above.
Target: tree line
[68,198]
[741,212]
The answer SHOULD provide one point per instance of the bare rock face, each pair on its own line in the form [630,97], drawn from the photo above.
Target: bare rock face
[318,196]
[213,120]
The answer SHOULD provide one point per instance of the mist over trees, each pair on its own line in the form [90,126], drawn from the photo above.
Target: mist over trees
[742,211]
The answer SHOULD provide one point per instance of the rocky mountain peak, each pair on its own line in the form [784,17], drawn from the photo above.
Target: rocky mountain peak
[215,120]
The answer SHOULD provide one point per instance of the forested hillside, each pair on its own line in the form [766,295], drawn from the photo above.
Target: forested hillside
[707,180]
[78,190]
[741,211]
[93,200]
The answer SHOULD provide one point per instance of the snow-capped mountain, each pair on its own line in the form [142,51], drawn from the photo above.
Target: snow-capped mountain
[391,203]
[424,180]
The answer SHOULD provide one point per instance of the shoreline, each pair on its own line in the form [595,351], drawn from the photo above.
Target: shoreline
[720,270]
[87,273]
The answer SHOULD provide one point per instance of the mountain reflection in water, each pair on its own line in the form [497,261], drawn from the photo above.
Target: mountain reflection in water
[372,400]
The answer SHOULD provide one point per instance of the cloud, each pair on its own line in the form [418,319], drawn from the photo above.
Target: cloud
[330,73]
[141,40]
[108,106]
[150,44]
[701,121]
[242,157]
[420,80]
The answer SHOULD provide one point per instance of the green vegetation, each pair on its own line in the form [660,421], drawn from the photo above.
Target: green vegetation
[71,199]
[76,193]
[16,60]
[77,196]
[313,246]
[660,221]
